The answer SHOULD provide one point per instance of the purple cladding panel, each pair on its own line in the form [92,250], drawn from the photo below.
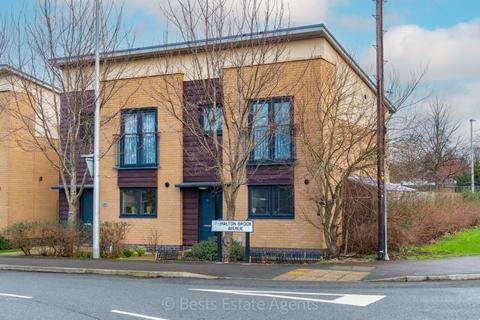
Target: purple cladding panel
[196,162]
[270,175]
[137,178]
[69,103]
[190,217]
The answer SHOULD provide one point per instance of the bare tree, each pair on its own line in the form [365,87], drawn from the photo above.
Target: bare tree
[57,47]
[432,144]
[405,95]
[337,139]
[3,46]
[228,76]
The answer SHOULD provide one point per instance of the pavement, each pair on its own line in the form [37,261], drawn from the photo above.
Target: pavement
[461,268]
[45,296]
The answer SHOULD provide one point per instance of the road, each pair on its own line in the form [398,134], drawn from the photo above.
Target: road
[61,296]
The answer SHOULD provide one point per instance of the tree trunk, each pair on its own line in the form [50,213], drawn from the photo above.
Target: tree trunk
[72,213]
[228,237]
[330,232]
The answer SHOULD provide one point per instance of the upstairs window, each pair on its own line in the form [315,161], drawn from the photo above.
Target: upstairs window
[271,124]
[212,118]
[138,142]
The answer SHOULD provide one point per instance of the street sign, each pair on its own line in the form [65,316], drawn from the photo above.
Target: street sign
[232,226]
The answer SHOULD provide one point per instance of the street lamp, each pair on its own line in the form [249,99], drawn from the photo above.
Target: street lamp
[472,157]
[89,160]
[96,141]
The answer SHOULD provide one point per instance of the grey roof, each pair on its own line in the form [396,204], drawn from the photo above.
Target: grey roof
[395,187]
[294,33]
[303,32]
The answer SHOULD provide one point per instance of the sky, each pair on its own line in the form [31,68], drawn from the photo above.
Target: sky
[439,36]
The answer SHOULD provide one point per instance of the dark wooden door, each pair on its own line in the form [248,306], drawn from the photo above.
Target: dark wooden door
[86,207]
[210,208]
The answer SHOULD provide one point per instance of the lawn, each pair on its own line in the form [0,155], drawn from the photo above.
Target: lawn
[10,251]
[465,243]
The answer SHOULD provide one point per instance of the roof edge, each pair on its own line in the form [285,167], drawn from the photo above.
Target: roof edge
[5,68]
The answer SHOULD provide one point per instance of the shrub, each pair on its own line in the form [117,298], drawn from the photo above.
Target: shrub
[20,235]
[84,255]
[57,239]
[51,238]
[237,252]
[415,221]
[112,235]
[4,243]
[128,252]
[141,251]
[207,250]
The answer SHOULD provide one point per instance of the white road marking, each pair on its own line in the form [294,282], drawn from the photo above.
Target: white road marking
[136,315]
[14,296]
[358,300]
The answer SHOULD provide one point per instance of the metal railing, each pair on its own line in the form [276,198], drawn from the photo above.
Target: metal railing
[273,144]
[137,150]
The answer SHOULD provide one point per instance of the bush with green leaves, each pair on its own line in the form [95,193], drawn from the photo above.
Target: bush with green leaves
[4,243]
[84,255]
[127,253]
[207,250]
[237,252]
[141,251]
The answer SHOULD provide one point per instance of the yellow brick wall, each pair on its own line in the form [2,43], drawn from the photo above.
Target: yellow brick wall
[140,93]
[4,161]
[30,175]
[285,233]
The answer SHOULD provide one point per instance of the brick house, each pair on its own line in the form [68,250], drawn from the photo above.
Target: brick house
[25,175]
[152,181]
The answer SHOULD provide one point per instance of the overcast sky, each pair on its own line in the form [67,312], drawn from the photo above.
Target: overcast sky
[442,35]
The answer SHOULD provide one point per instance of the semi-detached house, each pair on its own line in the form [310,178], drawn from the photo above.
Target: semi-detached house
[152,179]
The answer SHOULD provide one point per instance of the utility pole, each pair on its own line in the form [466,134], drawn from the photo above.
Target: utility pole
[472,157]
[96,141]
[381,191]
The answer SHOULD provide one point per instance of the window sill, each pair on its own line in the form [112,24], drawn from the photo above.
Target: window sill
[271,163]
[139,216]
[210,133]
[136,168]
[285,217]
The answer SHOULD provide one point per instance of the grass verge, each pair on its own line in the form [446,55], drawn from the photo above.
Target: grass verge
[10,251]
[465,243]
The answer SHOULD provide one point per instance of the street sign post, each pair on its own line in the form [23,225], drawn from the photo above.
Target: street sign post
[245,226]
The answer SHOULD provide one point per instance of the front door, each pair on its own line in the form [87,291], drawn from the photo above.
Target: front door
[210,208]
[86,207]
